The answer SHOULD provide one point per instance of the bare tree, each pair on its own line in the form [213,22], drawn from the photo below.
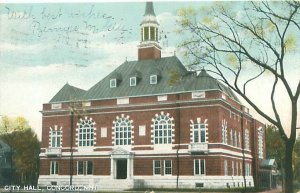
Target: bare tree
[242,44]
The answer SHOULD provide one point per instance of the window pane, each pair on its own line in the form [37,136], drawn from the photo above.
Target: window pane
[89,167]
[202,166]
[196,166]
[203,136]
[80,167]
[157,167]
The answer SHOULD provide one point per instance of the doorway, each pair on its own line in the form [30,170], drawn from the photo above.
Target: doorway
[122,169]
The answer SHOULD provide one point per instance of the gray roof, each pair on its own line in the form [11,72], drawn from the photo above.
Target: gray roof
[149,9]
[268,163]
[68,93]
[172,78]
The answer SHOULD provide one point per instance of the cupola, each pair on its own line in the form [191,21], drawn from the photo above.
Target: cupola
[149,47]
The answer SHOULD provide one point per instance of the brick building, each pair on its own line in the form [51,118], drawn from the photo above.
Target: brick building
[150,123]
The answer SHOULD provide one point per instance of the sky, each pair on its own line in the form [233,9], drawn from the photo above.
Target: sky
[46,45]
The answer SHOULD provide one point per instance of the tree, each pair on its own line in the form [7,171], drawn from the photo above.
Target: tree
[25,148]
[243,44]
[274,145]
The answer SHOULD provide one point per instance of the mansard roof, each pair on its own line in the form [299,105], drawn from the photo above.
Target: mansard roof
[172,77]
[68,93]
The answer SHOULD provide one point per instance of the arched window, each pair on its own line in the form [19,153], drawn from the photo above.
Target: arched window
[123,130]
[86,129]
[162,126]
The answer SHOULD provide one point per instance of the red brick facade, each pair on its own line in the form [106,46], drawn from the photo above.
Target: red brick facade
[175,136]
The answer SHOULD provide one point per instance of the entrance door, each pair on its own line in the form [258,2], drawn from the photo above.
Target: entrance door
[122,169]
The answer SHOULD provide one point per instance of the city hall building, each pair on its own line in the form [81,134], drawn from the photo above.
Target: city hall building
[150,123]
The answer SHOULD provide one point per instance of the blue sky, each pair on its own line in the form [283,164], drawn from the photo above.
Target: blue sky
[44,46]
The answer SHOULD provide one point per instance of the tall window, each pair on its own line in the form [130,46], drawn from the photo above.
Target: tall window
[84,168]
[168,167]
[231,137]
[86,133]
[162,125]
[248,169]
[232,167]
[199,133]
[156,167]
[239,139]
[123,130]
[199,167]
[225,168]
[260,143]
[55,137]
[224,131]
[247,144]
[235,139]
[53,168]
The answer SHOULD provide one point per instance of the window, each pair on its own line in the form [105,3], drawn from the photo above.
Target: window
[53,168]
[199,167]
[89,167]
[237,168]
[153,79]
[231,137]
[199,132]
[55,137]
[224,131]
[162,129]
[113,83]
[235,139]
[248,169]
[239,140]
[123,131]
[260,143]
[86,133]
[80,168]
[157,167]
[232,167]
[146,33]
[225,168]
[152,33]
[247,145]
[241,169]
[168,167]
[132,81]
[84,168]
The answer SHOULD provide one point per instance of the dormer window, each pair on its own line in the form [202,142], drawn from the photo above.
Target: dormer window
[113,83]
[153,79]
[132,81]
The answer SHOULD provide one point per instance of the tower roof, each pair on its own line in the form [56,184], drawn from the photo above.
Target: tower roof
[149,9]
[149,16]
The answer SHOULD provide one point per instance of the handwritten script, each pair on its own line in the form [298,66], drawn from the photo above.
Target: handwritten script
[64,27]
